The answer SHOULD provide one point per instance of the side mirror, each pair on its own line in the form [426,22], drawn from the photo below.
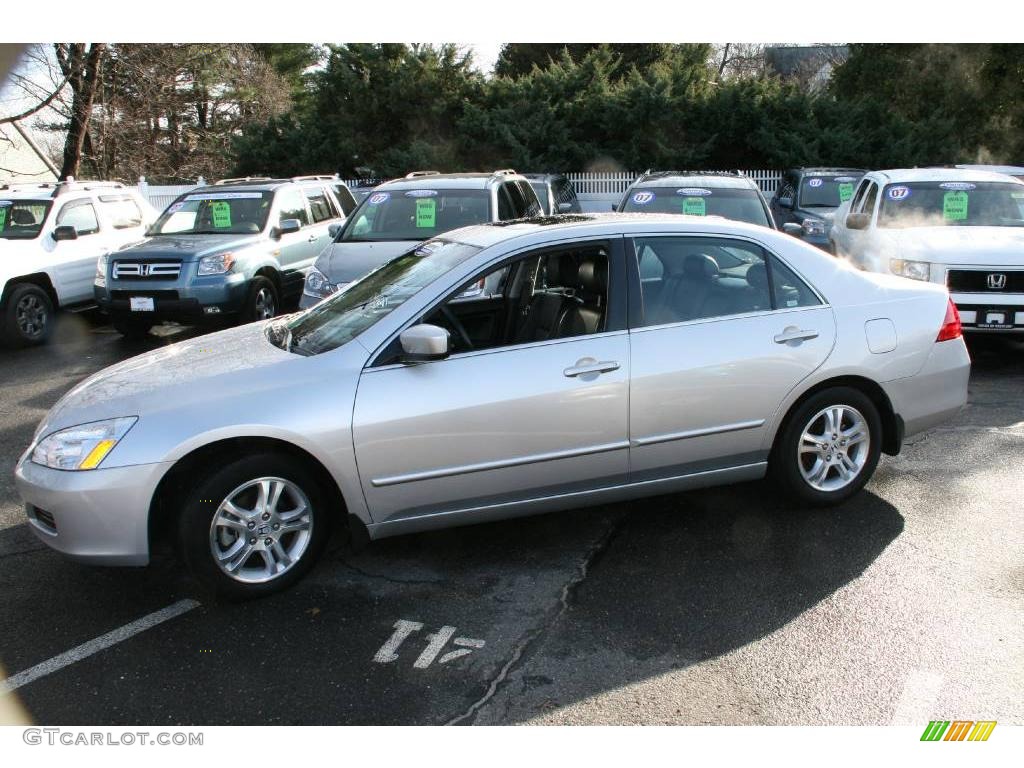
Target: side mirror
[785,202]
[564,207]
[792,228]
[422,343]
[333,230]
[287,226]
[858,221]
[65,233]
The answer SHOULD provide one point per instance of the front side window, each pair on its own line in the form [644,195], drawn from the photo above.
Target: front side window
[870,198]
[215,213]
[293,206]
[348,313]
[531,200]
[415,214]
[731,203]
[22,219]
[122,210]
[81,215]
[695,278]
[952,204]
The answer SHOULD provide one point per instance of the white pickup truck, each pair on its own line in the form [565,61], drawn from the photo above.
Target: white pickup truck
[961,228]
[51,236]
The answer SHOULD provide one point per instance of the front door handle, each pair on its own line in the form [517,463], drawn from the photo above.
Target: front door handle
[582,367]
[792,333]
[313,238]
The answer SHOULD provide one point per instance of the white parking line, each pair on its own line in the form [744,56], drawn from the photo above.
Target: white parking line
[96,645]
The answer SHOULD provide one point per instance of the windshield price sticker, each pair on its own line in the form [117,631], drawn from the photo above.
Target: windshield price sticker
[693,191]
[426,213]
[378,197]
[421,193]
[845,191]
[694,206]
[221,214]
[898,193]
[3,216]
[958,186]
[225,196]
[815,183]
[643,198]
[954,206]
[844,179]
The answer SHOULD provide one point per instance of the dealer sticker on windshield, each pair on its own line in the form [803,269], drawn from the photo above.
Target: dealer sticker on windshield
[815,183]
[378,197]
[954,206]
[959,186]
[691,191]
[643,198]
[845,191]
[3,217]
[226,196]
[221,214]
[421,193]
[426,213]
[898,193]
[694,206]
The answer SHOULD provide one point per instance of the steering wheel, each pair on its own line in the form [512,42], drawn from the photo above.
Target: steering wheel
[459,328]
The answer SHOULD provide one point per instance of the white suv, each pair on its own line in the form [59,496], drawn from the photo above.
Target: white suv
[961,228]
[51,236]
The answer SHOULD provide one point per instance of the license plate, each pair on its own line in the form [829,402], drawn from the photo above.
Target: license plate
[995,318]
[141,303]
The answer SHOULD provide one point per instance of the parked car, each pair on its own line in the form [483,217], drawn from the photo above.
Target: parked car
[400,407]
[698,193]
[420,206]
[555,192]
[957,228]
[233,250]
[51,236]
[1010,170]
[807,199]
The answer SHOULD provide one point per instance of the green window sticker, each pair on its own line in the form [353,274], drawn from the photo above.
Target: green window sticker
[221,214]
[694,206]
[3,218]
[426,213]
[954,206]
[845,192]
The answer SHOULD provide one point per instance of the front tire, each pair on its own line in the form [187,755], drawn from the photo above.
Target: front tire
[28,318]
[829,447]
[261,303]
[254,526]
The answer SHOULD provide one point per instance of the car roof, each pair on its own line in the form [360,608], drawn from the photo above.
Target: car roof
[828,171]
[50,190]
[696,178]
[260,186]
[1007,169]
[478,180]
[543,176]
[897,175]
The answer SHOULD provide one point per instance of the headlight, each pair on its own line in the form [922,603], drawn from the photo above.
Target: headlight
[217,264]
[81,447]
[813,226]
[317,285]
[101,271]
[915,270]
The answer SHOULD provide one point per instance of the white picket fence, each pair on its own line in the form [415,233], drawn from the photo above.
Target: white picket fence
[596,191]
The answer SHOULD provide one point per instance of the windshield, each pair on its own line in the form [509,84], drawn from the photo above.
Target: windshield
[416,214]
[215,213]
[22,219]
[826,191]
[952,204]
[737,204]
[351,311]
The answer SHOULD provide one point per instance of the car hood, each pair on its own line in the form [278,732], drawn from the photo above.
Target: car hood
[13,252]
[186,247]
[345,262]
[988,246]
[194,370]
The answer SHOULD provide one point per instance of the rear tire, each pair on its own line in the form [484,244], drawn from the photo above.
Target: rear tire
[28,316]
[254,527]
[262,302]
[133,330]
[828,448]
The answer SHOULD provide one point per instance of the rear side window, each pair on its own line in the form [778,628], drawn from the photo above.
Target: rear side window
[788,290]
[518,200]
[122,210]
[346,198]
[81,215]
[293,206]
[564,193]
[320,207]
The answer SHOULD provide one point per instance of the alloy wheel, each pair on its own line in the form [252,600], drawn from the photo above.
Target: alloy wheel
[834,447]
[264,304]
[31,317]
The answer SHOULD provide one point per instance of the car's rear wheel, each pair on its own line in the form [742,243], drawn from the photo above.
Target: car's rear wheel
[28,317]
[261,303]
[254,526]
[829,446]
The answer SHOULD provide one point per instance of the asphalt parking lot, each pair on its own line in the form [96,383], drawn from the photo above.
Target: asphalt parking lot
[725,606]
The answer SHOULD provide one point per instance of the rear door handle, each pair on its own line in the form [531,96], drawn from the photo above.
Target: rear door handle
[313,238]
[792,333]
[581,368]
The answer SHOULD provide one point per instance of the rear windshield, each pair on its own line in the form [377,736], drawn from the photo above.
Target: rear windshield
[215,213]
[952,204]
[416,214]
[736,204]
[22,219]
[826,191]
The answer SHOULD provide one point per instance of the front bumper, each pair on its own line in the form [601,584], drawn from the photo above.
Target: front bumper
[200,298]
[974,307]
[937,392]
[99,516]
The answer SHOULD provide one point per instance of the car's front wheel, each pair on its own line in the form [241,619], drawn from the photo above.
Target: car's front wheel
[29,316]
[261,303]
[254,526]
[829,446]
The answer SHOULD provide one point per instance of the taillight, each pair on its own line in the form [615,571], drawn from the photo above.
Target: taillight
[951,328]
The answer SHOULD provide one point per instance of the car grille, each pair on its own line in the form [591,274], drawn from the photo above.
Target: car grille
[144,270]
[158,295]
[977,280]
[43,517]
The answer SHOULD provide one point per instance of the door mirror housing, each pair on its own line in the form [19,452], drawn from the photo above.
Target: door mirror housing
[858,221]
[422,343]
[785,202]
[65,232]
[792,228]
[287,226]
[333,230]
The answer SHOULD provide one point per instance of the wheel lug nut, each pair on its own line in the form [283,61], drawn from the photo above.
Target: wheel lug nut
[276,526]
[251,525]
[252,540]
[268,541]
[266,515]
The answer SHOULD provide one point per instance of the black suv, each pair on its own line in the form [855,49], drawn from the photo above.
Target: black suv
[555,192]
[807,198]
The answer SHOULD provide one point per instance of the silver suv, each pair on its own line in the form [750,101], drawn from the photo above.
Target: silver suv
[699,193]
[423,205]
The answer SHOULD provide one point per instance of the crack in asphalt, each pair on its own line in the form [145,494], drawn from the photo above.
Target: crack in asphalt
[552,616]
[390,579]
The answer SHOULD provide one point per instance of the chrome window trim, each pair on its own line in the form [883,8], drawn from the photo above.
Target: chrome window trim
[721,318]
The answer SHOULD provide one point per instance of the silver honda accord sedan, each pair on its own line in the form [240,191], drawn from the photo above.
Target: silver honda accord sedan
[622,356]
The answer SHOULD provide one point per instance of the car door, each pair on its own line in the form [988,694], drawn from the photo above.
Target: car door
[123,219]
[841,234]
[75,260]
[786,189]
[530,414]
[722,332]
[858,247]
[295,249]
[323,212]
